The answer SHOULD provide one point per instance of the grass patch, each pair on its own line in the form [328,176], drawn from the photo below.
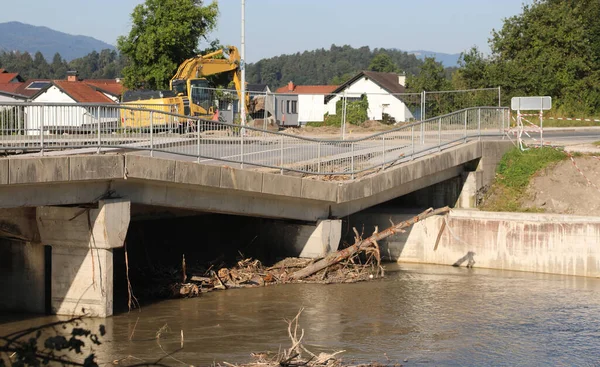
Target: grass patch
[515,170]
[549,119]
[566,123]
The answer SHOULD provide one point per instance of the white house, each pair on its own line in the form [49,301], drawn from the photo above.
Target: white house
[65,118]
[11,97]
[310,105]
[384,93]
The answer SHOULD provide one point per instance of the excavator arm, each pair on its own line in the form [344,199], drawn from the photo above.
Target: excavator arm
[202,66]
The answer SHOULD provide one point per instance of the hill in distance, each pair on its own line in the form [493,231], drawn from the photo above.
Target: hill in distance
[16,36]
[448,60]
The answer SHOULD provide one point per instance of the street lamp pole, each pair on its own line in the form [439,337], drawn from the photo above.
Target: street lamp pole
[243,66]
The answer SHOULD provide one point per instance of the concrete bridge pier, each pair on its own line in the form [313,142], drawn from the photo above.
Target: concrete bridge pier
[82,240]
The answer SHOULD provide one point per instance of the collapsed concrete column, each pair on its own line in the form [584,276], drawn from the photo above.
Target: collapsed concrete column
[302,240]
[317,241]
[82,240]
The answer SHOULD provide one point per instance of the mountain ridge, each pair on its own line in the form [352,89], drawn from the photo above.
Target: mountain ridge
[18,36]
[448,60]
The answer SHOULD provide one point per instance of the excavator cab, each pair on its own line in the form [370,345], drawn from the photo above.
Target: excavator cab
[201,94]
[197,90]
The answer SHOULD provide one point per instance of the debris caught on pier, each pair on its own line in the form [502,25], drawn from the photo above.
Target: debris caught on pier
[358,262]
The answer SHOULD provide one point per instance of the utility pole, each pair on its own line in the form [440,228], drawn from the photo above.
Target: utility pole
[243,67]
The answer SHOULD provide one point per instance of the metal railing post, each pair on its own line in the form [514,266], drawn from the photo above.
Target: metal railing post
[99,136]
[319,157]
[383,159]
[412,139]
[242,133]
[198,140]
[440,134]
[151,134]
[281,154]
[352,164]
[542,127]
[42,130]
[423,106]
[479,123]
[499,96]
[466,116]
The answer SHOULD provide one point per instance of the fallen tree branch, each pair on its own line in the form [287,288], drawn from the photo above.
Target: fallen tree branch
[361,245]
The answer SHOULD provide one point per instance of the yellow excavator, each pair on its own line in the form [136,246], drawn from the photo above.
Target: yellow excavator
[189,92]
[190,79]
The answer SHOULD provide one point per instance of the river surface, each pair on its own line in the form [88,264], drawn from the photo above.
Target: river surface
[418,315]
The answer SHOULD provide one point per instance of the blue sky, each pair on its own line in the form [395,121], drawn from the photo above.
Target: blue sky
[275,27]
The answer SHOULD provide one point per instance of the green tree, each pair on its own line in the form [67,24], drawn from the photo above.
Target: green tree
[551,48]
[430,78]
[341,79]
[382,62]
[58,67]
[324,66]
[40,68]
[164,33]
[474,71]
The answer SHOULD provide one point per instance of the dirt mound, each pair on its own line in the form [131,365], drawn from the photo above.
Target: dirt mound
[374,125]
[561,189]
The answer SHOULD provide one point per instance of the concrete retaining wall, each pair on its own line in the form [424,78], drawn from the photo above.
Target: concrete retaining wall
[544,243]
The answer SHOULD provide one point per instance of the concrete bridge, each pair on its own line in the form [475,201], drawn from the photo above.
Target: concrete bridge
[81,204]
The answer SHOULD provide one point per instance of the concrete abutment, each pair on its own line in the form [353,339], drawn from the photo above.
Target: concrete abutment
[82,240]
[75,278]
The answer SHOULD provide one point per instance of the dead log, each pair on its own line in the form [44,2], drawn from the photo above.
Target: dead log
[348,252]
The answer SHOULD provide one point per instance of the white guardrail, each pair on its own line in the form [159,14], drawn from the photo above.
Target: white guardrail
[49,127]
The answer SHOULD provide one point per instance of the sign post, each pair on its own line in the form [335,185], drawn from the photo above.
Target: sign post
[530,104]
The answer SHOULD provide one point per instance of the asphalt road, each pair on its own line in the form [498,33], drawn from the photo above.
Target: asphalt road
[311,156]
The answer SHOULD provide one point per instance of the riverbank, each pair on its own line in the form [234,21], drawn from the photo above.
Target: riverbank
[541,214]
[546,180]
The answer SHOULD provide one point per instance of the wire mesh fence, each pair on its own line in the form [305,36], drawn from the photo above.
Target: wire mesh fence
[317,107]
[45,127]
[437,103]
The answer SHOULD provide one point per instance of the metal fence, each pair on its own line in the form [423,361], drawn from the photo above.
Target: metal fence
[294,110]
[47,127]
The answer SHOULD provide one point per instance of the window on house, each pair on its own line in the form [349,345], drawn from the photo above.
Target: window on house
[289,109]
[294,106]
[283,106]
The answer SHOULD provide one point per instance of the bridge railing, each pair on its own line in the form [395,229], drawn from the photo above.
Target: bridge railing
[38,127]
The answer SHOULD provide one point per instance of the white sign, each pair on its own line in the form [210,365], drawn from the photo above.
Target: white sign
[530,103]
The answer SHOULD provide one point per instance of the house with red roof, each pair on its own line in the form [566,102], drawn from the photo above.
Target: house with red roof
[295,105]
[9,84]
[95,95]
[6,77]
[386,93]
[88,90]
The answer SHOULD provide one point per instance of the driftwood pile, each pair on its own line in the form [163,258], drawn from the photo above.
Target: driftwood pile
[358,262]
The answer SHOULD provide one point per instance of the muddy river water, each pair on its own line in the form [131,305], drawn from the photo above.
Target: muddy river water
[418,315]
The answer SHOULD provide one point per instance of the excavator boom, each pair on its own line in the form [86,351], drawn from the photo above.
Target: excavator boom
[201,66]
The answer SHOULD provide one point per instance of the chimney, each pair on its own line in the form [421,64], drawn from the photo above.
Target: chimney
[72,76]
[291,86]
[402,79]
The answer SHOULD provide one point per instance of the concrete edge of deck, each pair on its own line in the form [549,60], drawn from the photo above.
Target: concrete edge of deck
[117,167]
